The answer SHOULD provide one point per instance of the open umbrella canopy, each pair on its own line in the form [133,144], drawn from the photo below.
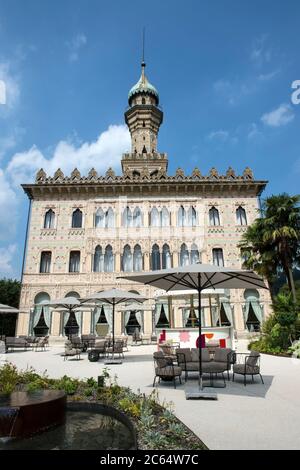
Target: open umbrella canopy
[8,309]
[65,302]
[114,297]
[199,276]
[135,308]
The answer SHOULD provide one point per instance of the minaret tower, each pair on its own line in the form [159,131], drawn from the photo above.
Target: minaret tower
[143,118]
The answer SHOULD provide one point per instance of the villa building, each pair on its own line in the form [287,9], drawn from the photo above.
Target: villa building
[85,231]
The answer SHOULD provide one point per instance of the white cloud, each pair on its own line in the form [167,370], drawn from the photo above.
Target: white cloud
[104,152]
[233,91]
[260,53]
[12,88]
[219,135]
[6,257]
[8,208]
[77,43]
[253,132]
[279,116]
[265,77]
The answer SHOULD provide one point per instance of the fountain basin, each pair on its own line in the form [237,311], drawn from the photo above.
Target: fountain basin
[23,414]
[88,426]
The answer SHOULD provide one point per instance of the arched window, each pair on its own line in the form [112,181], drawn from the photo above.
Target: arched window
[165,217]
[241,218]
[218,258]
[45,263]
[98,260]
[137,258]
[195,258]
[214,218]
[74,263]
[49,219]
[192,217]
[154,217]
[108,259]
[127,217]
[127,259]
[155,258]
[184,255]
[73,293]
[253,313]
[181,217]
[99,219]
[77,219]
[40,319]
[109,218]
[137,217]
[166,257]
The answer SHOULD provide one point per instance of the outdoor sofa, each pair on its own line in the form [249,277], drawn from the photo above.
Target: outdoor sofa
[221,361]
[11,342]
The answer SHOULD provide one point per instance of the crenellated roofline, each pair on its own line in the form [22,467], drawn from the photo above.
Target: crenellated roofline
[158,182]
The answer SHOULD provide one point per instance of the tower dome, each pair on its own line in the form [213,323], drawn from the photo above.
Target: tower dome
[143,86]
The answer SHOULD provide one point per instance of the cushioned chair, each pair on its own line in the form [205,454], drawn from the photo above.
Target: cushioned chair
[71,351]
[188,360]
[224,357]
[247,364]
[165,368]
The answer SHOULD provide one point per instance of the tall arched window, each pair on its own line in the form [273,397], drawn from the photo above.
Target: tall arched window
[181,217]
[218,258]
[99,219]
[155,258]
[184,255]
[154,217]
[98,260]
[214,218]
[192,217]
[165,217]
[137,217]
[241,218]
[74,262]
[166,257]
[108,259]
[127,259]
[194,257]
[137,258]
[49,219]
[127,217]
[77,219]
[45,263]
[109,218]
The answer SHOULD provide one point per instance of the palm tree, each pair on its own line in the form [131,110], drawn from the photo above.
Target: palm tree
[282,227]
[258,254]
[273,240]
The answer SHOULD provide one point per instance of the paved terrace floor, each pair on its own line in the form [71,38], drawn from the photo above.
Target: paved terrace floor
[253,417]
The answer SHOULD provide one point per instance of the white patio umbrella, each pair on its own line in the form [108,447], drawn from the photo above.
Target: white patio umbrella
[67,304]
[199,277]
[114,297]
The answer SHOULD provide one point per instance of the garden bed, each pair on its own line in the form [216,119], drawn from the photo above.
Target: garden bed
[156,425]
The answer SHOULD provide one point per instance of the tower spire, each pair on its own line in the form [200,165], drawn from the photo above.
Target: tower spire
[143,55]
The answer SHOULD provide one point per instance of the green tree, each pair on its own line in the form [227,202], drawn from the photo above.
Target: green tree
[10,292]
[272,242]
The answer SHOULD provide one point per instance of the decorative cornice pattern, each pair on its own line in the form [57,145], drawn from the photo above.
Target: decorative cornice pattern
[111,177]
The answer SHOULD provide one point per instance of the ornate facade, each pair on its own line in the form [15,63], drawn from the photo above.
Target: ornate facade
[86,230]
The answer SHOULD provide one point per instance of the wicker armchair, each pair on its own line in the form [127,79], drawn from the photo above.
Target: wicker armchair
[247,364]
[165,368]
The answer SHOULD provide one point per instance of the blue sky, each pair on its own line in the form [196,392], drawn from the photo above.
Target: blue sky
[223,70]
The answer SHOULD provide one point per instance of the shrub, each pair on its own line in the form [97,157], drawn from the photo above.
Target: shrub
[9,378]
